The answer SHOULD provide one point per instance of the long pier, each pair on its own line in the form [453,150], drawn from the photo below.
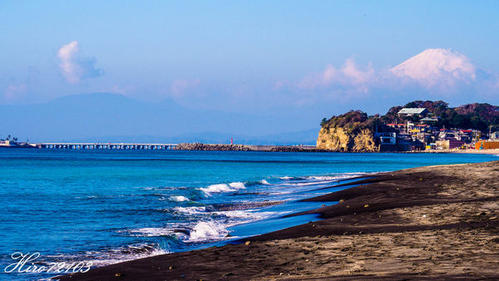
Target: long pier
[109,146]
[172,146]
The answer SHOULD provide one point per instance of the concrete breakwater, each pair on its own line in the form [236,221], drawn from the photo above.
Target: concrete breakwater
[180,146]
[243,147]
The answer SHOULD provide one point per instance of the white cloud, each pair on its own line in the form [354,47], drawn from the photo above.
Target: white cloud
[74,68]
[348,76]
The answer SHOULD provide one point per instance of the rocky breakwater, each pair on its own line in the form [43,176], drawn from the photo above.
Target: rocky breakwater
[353,131]
[212,147]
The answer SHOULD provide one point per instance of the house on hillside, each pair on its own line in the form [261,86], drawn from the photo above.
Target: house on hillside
[429,120]
[419,112]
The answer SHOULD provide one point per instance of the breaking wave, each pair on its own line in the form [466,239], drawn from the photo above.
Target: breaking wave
[205,231]
[178,198]
[223,187]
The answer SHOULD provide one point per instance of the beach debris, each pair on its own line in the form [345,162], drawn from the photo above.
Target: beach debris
[247,243]
[341,201]
[118,274]
[366,205]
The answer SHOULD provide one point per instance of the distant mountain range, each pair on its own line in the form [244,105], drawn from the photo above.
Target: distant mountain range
[107,117]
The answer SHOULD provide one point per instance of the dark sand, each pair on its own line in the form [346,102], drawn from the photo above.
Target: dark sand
[428,223]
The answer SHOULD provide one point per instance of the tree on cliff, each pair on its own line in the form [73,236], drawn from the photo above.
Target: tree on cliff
[478,116]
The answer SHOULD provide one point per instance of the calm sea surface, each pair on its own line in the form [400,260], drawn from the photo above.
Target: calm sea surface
[111,206]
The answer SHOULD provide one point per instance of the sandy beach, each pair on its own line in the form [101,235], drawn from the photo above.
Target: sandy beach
[470,151]
[435,222]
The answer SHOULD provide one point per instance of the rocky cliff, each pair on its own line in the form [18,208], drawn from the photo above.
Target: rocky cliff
[350,132]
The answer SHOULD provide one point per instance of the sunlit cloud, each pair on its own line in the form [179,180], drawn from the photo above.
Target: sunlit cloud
[74,67]
[348,75]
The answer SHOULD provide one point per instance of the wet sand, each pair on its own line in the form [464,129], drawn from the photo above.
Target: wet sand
[436,222]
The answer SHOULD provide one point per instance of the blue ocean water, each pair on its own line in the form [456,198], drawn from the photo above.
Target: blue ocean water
[110,206]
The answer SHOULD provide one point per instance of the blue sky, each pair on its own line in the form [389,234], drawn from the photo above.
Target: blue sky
[321,57]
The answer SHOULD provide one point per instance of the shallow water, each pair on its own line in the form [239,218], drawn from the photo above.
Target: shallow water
[111,206]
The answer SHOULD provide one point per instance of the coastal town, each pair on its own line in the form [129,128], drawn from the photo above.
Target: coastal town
[429,126]
[424,134]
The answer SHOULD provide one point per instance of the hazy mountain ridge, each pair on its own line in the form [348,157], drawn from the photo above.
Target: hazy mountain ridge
[112,117]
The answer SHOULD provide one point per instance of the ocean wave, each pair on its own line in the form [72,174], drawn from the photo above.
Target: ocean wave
[178,198]
[195,232]
[205,231]
[245,215]
[150,232]
[190,210]
[324,177]
[223,187]
[336,177]
[306,183]
[288,178]
[110,256]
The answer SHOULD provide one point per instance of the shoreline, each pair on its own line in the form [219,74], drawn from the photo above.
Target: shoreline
[254,148]
[419,223]
[464,151]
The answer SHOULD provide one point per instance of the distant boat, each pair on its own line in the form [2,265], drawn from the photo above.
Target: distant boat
[15,144]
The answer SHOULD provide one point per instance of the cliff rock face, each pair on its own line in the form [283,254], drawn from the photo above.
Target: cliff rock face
[350,132]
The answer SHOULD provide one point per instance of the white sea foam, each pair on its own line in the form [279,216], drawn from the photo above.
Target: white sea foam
[237,185]
[326,177]
[246,215]
[178,198]
[264,182]
[190,210]
[208,231]
[306,183]
[150,232]
[223,187]
[112,256]
[127,257]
